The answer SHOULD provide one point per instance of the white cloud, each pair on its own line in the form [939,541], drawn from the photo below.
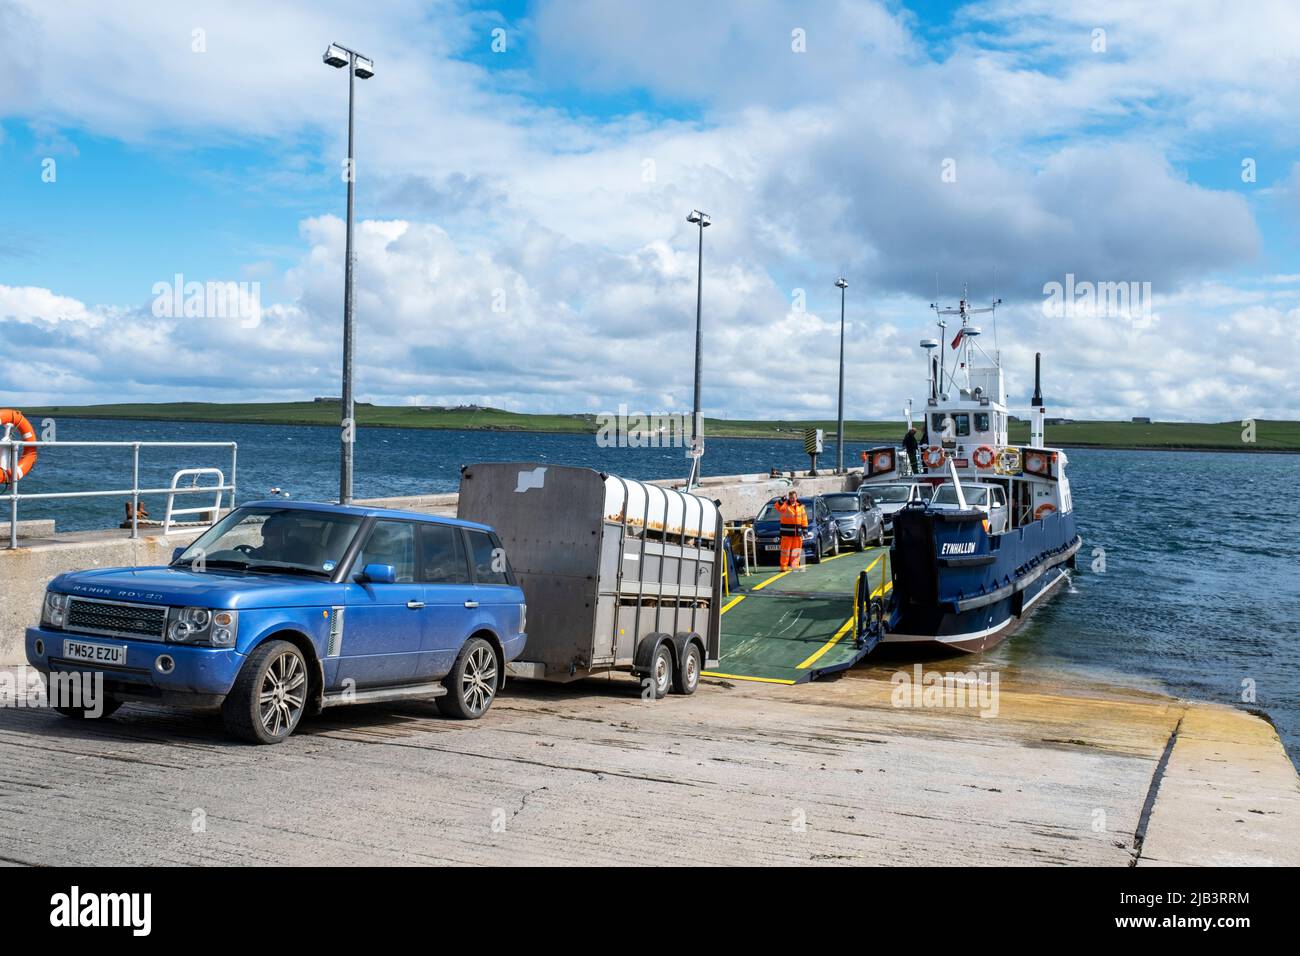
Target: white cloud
[811,163]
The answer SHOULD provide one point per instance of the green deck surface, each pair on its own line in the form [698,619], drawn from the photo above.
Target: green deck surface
[783,627]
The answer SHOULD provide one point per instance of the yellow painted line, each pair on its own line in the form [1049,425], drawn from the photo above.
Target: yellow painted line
[813,658]
[763,584]
[817,654]
[760,680]
[732,603]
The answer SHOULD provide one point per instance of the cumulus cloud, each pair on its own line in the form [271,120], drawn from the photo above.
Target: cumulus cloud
[537,258]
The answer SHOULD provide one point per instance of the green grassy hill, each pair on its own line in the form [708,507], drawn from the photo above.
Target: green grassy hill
[1223,436]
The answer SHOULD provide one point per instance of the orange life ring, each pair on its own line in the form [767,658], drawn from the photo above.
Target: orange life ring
[884,461]
[933,457]
[1036,463]
[983,457]
[1046,508]
[10,416]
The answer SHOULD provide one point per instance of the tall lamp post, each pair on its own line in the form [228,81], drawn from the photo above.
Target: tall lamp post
[840,284]
[359,67]
[702,220]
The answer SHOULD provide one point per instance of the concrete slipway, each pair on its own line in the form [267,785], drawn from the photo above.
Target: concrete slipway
[744,772]
[740,773]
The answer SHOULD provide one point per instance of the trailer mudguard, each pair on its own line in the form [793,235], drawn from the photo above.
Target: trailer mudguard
[683,638]
[645,652]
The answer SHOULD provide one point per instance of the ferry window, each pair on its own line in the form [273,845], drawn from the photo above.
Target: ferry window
[947,495]
[489,559]
[391,542]
[892,493]
[981,421]
[963,423]
[442,555]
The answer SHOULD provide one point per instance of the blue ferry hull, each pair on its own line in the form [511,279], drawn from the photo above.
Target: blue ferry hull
[959,588]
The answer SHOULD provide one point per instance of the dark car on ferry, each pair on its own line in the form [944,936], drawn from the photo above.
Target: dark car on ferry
[820,540]
[278,611]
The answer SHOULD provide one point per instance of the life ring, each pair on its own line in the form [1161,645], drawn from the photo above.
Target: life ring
[1036,463]
[1046,508]
[10,416]
[983,457]
[1008,461]
[884,461]
[933,457]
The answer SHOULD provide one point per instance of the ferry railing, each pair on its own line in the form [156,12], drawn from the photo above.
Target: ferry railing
[13,448]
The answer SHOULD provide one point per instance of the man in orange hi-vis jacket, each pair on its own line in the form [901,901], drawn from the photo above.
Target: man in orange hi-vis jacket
[794,522]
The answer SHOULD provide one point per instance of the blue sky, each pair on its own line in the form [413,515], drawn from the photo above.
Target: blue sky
[553,177]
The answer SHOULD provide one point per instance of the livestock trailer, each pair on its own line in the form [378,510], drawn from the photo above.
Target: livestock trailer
[618,574]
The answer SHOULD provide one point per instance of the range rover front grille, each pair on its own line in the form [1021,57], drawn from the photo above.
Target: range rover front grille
[116,618]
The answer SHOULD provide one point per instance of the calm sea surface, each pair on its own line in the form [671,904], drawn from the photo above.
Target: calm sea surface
[1199,596]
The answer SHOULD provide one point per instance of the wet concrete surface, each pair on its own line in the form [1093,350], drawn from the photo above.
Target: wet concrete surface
[589,773]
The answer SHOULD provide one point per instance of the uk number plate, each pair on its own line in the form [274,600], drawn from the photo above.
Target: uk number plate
[94,653]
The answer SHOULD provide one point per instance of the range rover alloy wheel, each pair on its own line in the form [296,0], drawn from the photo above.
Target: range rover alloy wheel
[473,682]
[269,696]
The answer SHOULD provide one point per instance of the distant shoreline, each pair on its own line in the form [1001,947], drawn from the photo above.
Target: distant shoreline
[1083,435]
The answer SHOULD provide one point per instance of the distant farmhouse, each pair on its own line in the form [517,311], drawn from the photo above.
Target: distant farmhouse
[1141,420]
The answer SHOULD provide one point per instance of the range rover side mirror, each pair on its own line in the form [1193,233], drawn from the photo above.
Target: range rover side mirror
[176,553]
[379,574]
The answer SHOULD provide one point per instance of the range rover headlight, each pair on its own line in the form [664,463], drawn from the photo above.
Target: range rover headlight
[55,609]
[196,617]
[200,625]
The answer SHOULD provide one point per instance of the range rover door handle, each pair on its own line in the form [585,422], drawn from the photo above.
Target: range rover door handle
[471,603]
[415,605]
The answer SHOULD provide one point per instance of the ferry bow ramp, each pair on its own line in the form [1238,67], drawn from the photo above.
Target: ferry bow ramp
[788,627]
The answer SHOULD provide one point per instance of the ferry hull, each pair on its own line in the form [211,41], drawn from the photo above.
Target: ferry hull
[973,631]
[958,589]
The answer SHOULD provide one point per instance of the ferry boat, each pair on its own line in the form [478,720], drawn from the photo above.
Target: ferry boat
[994,532]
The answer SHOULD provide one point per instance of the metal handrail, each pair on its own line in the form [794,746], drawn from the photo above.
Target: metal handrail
[172,510]
[135,491]
[749,542]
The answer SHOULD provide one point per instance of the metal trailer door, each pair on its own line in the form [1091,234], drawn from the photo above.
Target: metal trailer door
[550,521]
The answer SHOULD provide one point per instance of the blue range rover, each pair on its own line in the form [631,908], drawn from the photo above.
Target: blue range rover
[279,610]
